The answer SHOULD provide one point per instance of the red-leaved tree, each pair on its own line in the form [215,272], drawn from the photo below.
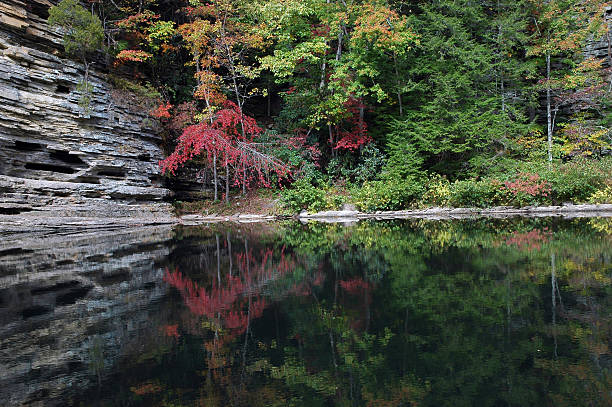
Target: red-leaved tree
[227,138]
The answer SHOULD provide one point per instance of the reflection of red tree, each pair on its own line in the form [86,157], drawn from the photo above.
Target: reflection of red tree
[237,300]
[171,330]
[224,304]
[359,288]
[531,240]
[355,286]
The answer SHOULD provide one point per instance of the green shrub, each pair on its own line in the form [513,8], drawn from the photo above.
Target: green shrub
[578,180]
[305,196]
[437,192]
[603,196]
[83,36]
[573,181]
[404,161]
[389,194]
[371,162]
[367,166]
[478,193]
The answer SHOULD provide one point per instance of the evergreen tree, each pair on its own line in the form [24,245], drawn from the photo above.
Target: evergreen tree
[83,36]
[460,110]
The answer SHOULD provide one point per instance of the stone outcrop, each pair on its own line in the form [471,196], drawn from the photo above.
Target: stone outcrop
[601,48]
[54,158]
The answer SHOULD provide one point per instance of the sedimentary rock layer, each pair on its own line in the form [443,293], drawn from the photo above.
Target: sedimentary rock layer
[54,156]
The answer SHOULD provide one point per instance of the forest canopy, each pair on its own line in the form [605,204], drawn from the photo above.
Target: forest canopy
[386,104]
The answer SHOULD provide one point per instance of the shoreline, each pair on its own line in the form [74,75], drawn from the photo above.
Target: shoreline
[434,213]
[41,222]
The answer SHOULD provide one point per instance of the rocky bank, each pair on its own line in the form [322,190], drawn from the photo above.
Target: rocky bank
[55,160]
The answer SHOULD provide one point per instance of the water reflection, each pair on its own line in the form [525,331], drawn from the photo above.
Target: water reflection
[443,313]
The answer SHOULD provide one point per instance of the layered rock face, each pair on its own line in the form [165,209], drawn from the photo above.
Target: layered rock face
[601,48]
[55,159]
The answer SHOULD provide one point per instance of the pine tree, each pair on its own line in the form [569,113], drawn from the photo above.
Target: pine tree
[83,36]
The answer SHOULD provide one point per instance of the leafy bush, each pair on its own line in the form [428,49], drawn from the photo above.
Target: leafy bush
[370,164]
[526,189]
[478,193]
[603,196]
[83,31]
[437,193]
[366,167]
[388,194]
[83,35]
[305,196]
[577,180]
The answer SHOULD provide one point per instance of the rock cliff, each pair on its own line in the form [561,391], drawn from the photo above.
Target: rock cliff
[601,48]
[54,159]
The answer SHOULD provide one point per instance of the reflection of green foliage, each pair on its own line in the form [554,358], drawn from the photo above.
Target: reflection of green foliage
[464,311]
[603,225]
[96,355]
[417,312]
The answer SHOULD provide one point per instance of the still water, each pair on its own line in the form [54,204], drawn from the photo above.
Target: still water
[397,313]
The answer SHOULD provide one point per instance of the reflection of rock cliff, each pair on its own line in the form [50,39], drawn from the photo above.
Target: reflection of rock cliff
[51,157]
[71,304]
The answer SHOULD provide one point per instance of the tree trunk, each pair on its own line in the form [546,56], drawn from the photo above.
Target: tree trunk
[227,181]
[216,180]
[232,67]
[218,260]
[553,280]
[244,179]
[398,84]
[86,76]
[238,101]
[331,140]
[548,110]
[229,252]
[269,107]
[339,49]
[609,54]
[323,68]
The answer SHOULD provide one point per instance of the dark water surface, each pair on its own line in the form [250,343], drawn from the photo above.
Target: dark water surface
[429,313]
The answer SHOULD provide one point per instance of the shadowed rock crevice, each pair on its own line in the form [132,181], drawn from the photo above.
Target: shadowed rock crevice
[50,167]
[62,89]
[27,146]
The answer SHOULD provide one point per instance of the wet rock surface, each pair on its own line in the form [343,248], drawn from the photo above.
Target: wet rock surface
[54,157]
[71,304]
